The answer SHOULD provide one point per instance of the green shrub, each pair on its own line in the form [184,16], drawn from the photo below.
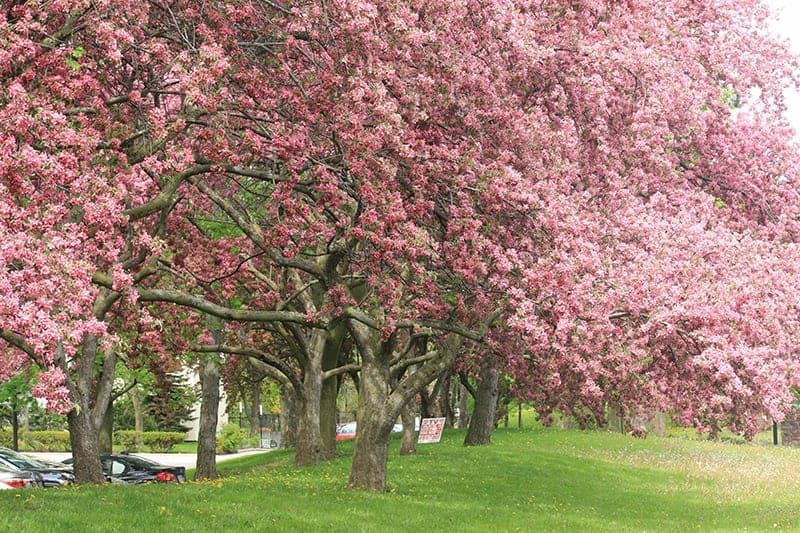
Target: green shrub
[37,441]
[155,441]
[46,441]
[162,441]
[6,438]
[230,439]
[129,440]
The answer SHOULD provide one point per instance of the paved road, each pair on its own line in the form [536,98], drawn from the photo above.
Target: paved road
[170,459]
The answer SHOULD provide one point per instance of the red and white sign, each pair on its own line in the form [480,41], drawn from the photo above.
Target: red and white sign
[430,430]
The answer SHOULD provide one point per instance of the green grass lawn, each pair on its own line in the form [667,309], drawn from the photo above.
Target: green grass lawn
[527,480]
[184,447]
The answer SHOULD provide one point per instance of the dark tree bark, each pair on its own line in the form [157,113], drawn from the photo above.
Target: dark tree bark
[288,417]
[327,417]
[436,403]
[330,390]
[315,440]
[371,453]
[209,411]
[300,421]
[253,414]
[379,403]
[408,441]
[14,430]
[308,444]
[105,435]
[482,422]
[445,404]
[85,450]
[84,420]
[463,414]
[427,405]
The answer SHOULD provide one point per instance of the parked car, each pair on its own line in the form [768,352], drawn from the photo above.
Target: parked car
[12,478]
[48,474]
[346,431]
[125,468]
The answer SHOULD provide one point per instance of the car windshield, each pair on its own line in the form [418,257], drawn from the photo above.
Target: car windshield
[138,462]
[6,469]
[21,461]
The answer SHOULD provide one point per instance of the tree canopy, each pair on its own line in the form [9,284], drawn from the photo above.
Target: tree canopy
[600,193]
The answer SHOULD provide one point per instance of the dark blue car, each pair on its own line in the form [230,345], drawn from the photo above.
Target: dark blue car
[125,468]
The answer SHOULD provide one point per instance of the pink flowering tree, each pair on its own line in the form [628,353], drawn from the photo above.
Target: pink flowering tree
[89,162]
[567,183]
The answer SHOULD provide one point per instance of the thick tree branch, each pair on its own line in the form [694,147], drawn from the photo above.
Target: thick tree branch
[279,369]
[165,198]
[18,342]
[344,369]
[243,315]
[254,231]
[464,379]
[440,325]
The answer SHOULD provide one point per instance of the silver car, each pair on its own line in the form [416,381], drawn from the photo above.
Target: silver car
[16,479]
[47,474]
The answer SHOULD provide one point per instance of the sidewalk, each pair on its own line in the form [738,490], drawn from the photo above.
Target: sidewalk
[169,459]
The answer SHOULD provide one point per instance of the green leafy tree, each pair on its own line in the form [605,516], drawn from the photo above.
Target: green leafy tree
[15,399]
[172,401]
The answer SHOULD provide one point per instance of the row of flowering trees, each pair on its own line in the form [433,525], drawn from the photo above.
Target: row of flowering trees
[561,191]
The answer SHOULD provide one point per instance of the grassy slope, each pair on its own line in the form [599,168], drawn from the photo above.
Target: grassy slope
[529,480]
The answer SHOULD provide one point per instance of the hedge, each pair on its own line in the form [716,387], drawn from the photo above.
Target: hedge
[40,441]
[155,441]
[58,441]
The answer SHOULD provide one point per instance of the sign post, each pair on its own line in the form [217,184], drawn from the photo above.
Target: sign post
[430,430]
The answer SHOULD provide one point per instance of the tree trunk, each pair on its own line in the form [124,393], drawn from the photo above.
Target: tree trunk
[380,403]
[368,471]
[330,390]
[209,411]
[105,440]
[138,415]
[85,384]
[253,414]
[288,417]
[424,405]
[408,442]
[308,441]
[443,407]
[435,404]
[327,417]
[309,449]
[503,401]
[85,451]
[14,430]
[463,414]
[482,422]
[82,432]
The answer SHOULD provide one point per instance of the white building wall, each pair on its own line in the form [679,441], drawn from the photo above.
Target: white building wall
[193,379]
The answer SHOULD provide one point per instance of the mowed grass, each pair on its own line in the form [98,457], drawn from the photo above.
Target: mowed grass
[527,480]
